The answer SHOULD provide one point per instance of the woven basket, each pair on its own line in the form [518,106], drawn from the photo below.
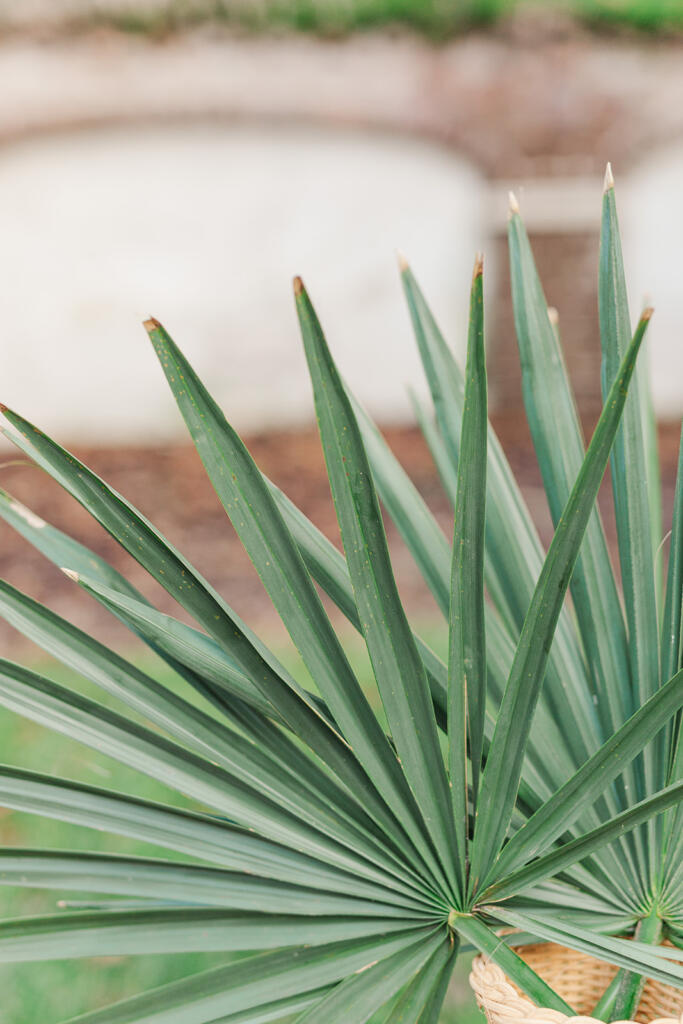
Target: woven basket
[578,978]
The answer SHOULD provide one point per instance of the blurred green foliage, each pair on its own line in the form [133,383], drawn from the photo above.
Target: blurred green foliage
[436,19]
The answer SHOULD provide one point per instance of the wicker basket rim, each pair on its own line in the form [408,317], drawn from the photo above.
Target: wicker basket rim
[501,1001]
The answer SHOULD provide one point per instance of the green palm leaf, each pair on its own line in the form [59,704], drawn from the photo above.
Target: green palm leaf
[165,564]
[422,999]
[176,930]
[361,994]
[197,835]
[638,535]
[553,863]
[535,781]
[503,767]
[514,550]
[254,514]
[407,509]
[552,762]
[150,879]
[327,565]
[396,663]
[250,983]
[551,411]
[284,776]
[672,647]
[633,956]
[257,803]
[467,627]
[561,811]
[481,936]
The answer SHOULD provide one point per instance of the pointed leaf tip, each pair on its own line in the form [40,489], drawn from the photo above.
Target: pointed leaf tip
[514,205]
[609,178]
[71,574]
[3,408]
[152,324]
[403,264]
[478,266]
[298,286]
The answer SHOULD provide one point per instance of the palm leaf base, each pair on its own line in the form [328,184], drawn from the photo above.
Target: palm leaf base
[580,980]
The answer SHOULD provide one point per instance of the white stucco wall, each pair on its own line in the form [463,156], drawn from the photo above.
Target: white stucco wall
[203,227]
[652,230]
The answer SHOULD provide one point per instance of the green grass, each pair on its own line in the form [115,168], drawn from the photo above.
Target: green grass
[54,991]
[643,15]
[437,19]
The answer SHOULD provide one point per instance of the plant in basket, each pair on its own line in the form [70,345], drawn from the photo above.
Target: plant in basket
[522,797]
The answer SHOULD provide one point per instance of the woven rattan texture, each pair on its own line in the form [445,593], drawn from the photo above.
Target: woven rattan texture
[578,978]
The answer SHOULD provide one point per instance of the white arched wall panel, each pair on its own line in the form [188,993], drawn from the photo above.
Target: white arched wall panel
[651,208]
[203,226]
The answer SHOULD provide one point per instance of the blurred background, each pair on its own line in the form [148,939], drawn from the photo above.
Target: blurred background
[183,159]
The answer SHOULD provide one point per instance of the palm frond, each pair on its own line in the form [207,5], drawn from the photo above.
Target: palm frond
[533,781]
